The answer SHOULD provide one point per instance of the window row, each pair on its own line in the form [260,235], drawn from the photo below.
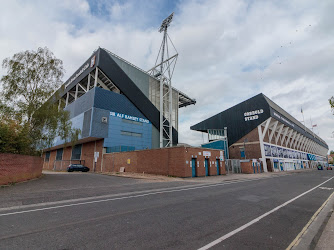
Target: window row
[128,133]
[76,153]
[132,122]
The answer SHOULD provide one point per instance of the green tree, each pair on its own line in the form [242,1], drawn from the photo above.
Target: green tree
[28,99]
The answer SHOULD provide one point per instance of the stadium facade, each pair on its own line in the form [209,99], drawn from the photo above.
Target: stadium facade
[116,107]
[261,130]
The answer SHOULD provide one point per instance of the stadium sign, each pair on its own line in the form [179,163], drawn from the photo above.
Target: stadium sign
[77,75]
[282,118]
[252,115]
[129,117]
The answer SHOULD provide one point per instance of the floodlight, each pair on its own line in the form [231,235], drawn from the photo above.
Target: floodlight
[166,22]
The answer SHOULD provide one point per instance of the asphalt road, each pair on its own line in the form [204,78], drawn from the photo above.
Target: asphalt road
[90,211]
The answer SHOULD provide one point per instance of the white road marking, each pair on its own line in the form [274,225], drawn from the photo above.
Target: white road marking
[228,235]
[296,241]
[326,188]
[192,187]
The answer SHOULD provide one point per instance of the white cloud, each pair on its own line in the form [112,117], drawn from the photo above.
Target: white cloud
[228,50]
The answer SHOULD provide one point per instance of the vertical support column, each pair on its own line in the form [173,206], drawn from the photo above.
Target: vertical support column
[96,76]
[162,90]
[263,156]
[279,133]
[67,96]
[76,91]
[88,83]
[177,111]
[170,114]
[161,113]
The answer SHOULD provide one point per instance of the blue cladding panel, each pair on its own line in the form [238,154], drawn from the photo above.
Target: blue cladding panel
[127,142]
[98,128]
[77,123]
[219,144]
[98,103]
[82,104]
[108,100]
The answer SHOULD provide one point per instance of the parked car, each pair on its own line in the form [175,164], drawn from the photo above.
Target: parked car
[77,167]
[329,168]
[320,168]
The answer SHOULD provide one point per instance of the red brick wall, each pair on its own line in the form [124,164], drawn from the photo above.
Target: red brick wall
[174,161]
[46,164]
[49,164]
[253,150]
[246,167]
[17,168]
[67,153]
[87,154]
[113,162]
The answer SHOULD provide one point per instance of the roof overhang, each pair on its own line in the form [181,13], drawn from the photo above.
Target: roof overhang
[185,100]
[69,144]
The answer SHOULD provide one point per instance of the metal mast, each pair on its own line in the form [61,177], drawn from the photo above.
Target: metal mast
[163,71]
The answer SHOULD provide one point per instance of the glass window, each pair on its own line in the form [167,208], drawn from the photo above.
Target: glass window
[120,149]
[136,134]
[47,156]
[76,152]
[132,122]
[128,133]
[59,155]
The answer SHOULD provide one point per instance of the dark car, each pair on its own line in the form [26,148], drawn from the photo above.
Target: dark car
[329,168]
[320,168]
[77,167]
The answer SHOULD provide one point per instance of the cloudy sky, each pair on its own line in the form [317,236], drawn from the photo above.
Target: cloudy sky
[229,50]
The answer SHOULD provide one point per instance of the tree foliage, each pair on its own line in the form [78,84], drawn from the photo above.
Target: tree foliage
[13,138]
[29,113]
[32,77]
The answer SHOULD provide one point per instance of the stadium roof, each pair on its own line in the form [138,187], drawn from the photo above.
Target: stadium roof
[234,119]
[184,100]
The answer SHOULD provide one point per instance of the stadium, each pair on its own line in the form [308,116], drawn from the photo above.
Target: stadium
[260,130]
[116,106]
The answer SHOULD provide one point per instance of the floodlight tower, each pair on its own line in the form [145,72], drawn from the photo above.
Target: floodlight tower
[163,71]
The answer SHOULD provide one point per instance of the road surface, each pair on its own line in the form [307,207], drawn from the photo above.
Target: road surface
[91,211]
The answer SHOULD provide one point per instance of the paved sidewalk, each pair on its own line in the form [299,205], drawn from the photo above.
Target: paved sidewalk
[318,233]
[206,179]
[326,240]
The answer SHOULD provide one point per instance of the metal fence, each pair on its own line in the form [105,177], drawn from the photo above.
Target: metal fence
[232,166]
[61,165]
